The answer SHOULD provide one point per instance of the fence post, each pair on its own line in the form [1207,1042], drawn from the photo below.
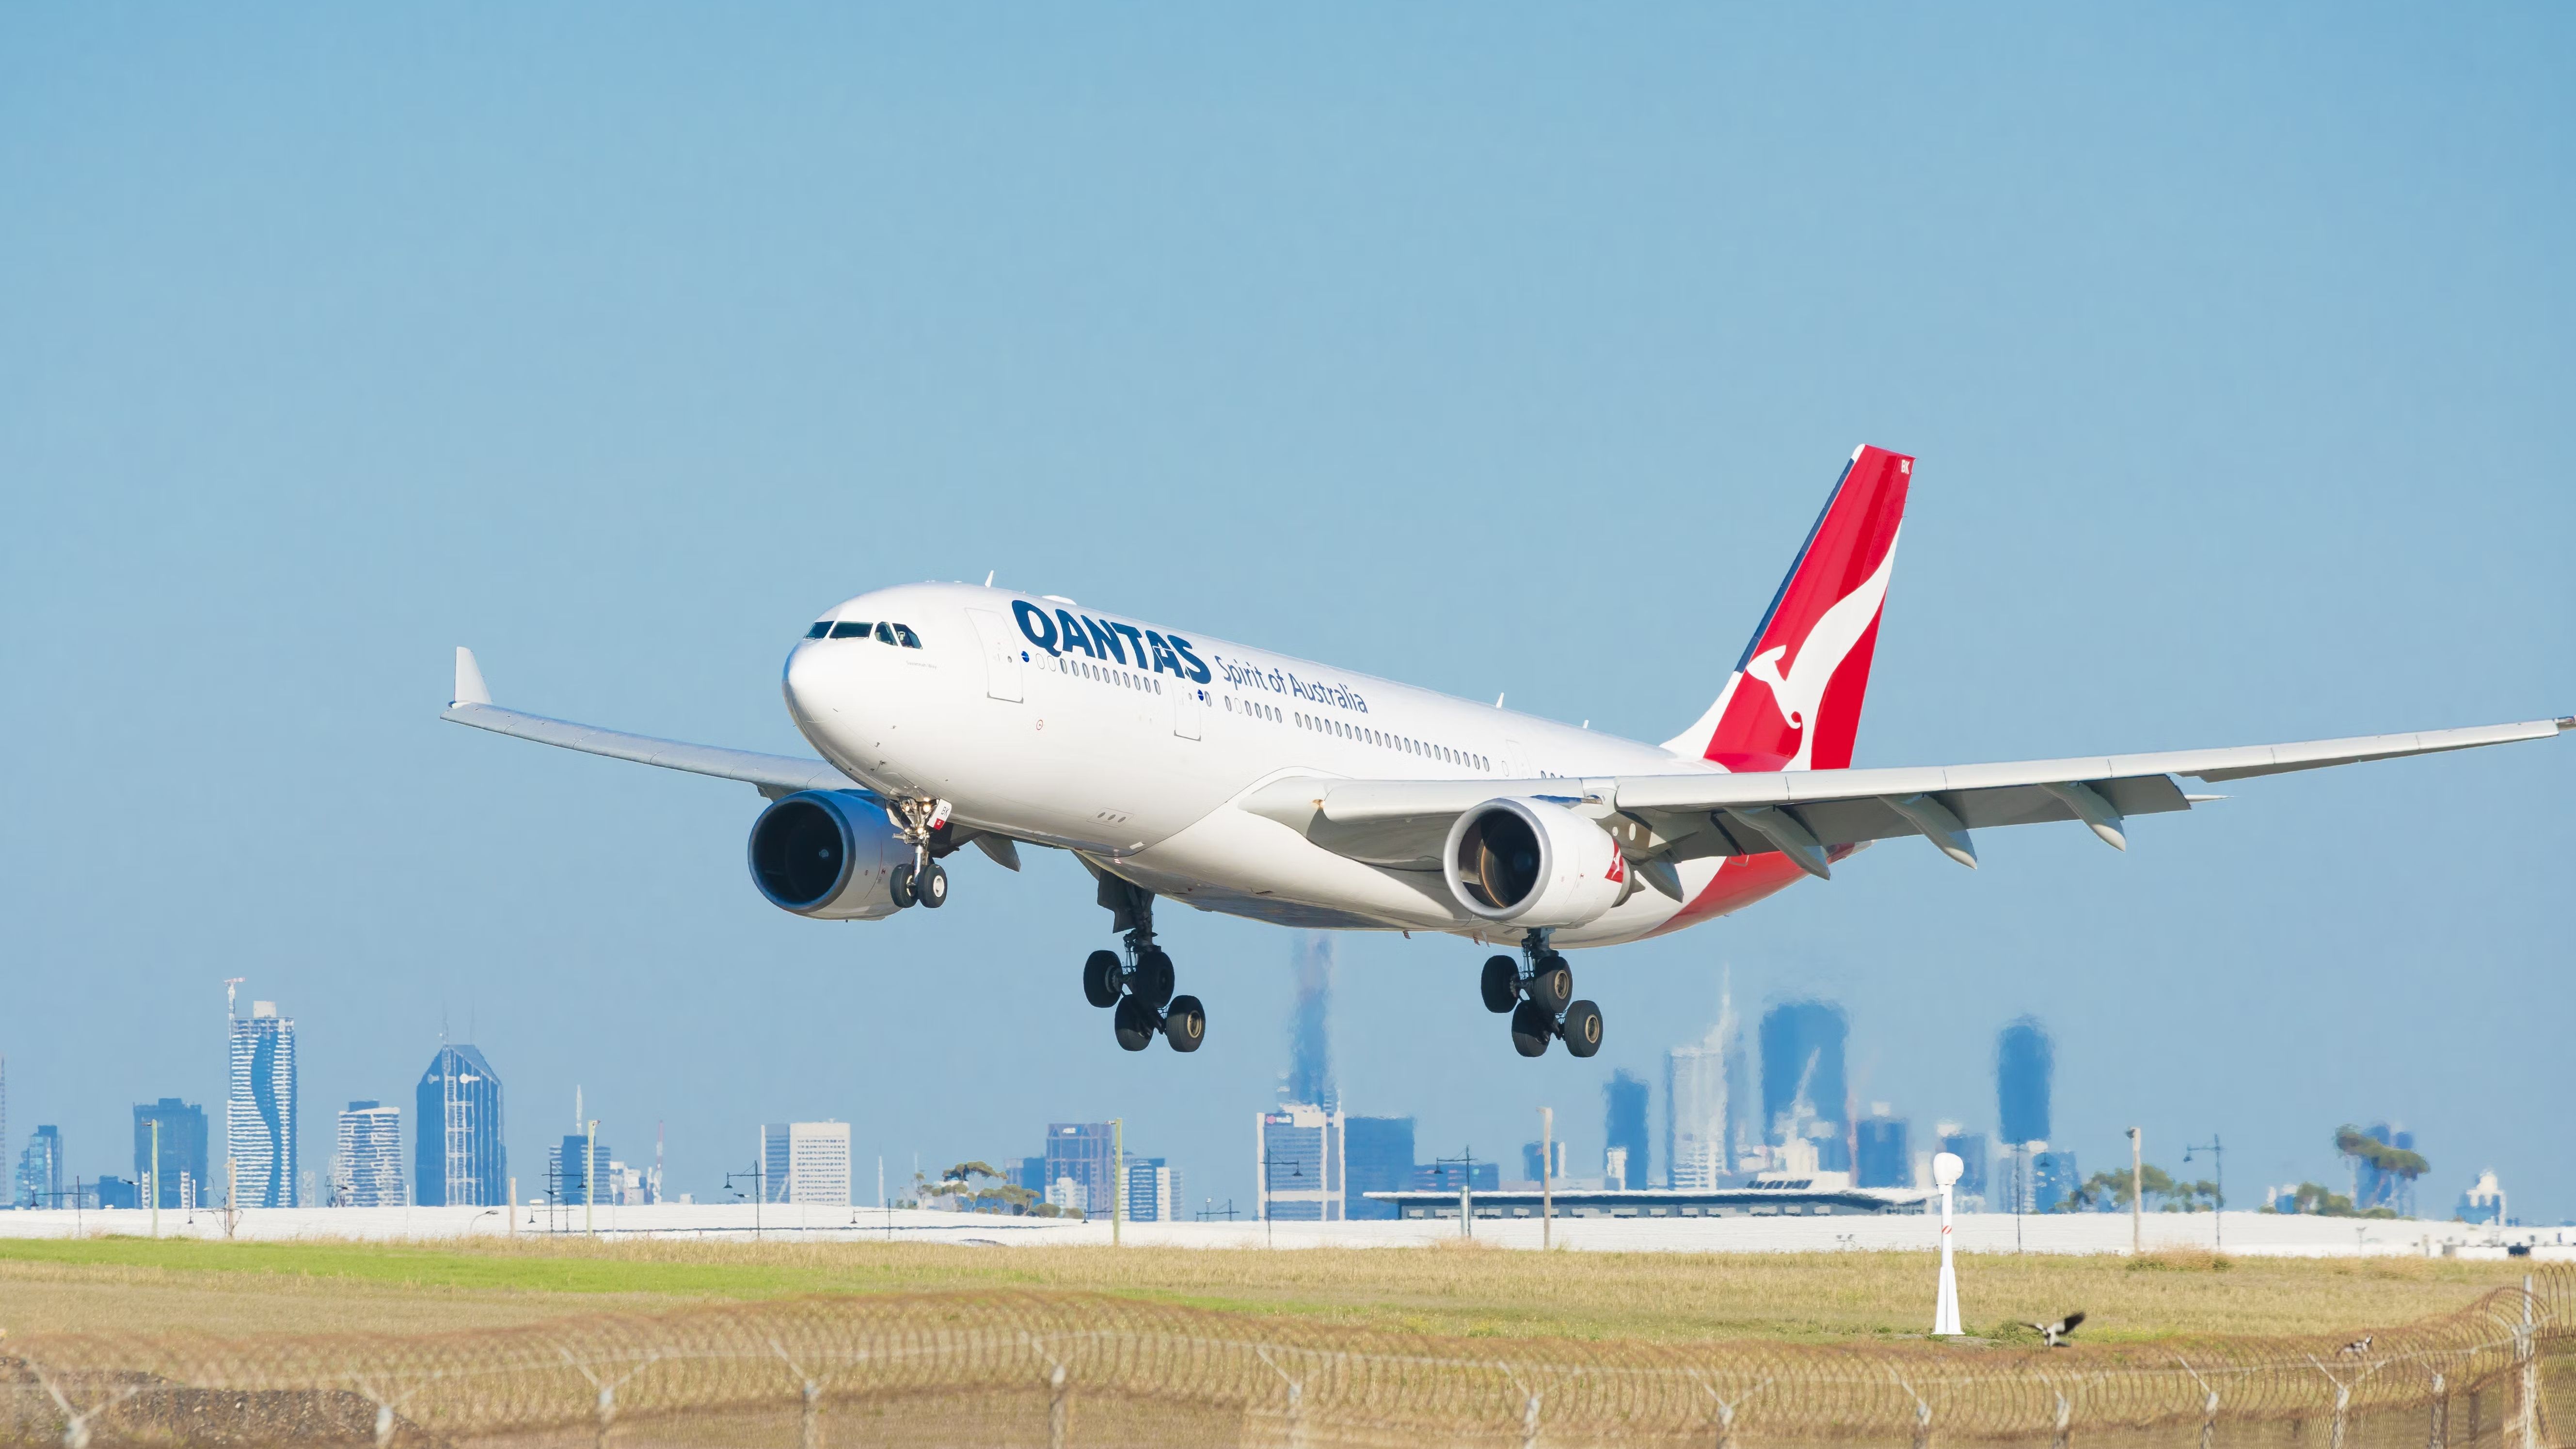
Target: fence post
[810,1429]
[1058,1409]
[2065,1422]
[1529,1417]
[1725,1425]
[2528,1411]
[607,1414]
[2343,1402]
[2440,1434]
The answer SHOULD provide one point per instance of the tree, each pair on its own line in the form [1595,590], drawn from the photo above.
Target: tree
[966,1183]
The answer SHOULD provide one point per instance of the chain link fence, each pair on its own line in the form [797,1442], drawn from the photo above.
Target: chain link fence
[1062,1369]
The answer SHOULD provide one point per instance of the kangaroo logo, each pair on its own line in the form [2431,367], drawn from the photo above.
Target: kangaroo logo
[1618,873]
[1797,693]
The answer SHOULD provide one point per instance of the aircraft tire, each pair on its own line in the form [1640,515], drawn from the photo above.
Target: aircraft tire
[1552,986]
[1582,1029]
[1154,977]
[931,889]
[1501,984]
[1135,1024]
[899,885]
[1532,1028]
[1100,978]
[1185,1025]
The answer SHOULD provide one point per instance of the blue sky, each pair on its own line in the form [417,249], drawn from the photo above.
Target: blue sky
[1491,348]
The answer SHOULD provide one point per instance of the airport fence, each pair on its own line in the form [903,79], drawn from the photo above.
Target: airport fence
[1062,1369]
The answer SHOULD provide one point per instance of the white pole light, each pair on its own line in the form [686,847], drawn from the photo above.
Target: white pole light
[1946,1168]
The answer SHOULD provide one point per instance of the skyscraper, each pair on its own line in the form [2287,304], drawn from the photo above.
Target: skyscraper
[1803,1093]
[1310,1057]
[260,1112]
[183,1151]
[574,1163]
[1973,1155]
[1154,1192]
[1623,1100]
[1884,1155]
[1377,1156]
[1298,1163]
[367,1171]
[2024,1059]
[457,1156]
[1084,1152]
[806,1162]
[1700,1107]
[40,1169]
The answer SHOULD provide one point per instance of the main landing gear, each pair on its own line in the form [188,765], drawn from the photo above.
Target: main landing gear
[1538,991]
[1139,984]
[921,881]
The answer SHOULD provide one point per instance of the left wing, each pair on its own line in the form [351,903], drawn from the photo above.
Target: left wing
[775,775]
[1661,819]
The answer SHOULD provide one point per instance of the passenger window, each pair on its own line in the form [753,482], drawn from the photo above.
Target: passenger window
[909,638]
[846,630]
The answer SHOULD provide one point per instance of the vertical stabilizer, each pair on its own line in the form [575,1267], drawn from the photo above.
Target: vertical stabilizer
[1793,702]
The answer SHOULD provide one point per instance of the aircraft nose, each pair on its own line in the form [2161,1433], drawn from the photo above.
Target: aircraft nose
[806,682]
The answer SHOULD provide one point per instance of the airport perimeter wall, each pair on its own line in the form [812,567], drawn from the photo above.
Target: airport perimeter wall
[2247,1234]
[1063,1370]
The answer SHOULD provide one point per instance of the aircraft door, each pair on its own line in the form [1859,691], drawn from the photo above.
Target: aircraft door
[1189,701]
[1001,654]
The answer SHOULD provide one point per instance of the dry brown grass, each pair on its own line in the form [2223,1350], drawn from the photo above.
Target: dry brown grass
[304,1287]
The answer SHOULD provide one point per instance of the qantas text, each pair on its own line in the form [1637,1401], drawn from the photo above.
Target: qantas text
[1065,631]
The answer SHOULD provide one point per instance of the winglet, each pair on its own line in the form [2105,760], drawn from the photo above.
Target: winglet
[470,688]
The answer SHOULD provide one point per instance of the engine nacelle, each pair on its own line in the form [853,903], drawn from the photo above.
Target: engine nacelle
[826,854]
[1533,862]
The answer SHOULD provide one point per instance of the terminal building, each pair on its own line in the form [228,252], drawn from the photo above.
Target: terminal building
[1822,1194]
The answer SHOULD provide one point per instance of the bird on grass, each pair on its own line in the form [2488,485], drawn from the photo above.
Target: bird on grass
[2055,1333]
[2357,1347]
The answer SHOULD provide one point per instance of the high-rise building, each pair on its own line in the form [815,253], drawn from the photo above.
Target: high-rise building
[1085,1152]
[2053,1178]
[1700,1107]
[260,1111]
[1532,1153]
[182,1167]
[115,1192]
[1298,1163]
[579,1169]
[1883,1154]
[1153,1191]
[1377,1156]
[367,1171]
[807,1162]
[2483,1202]
[1623,1101]
[2024,1060]
[2374,1186]
[458,1159]
[40,1170]
[1974,1159]
[1310,1057]
[1804,1098]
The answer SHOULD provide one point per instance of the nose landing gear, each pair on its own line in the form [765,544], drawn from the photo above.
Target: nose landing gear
[921,881]
[1538,991]
[1139,984]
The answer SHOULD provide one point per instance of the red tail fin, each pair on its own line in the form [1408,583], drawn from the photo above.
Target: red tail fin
[1793,702]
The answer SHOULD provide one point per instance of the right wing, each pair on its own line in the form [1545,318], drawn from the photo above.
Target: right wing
[1663,818]
[774,775]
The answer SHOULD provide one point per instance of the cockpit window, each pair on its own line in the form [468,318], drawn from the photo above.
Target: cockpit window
[885,633]
[848,629]
[821,628]
[909,638]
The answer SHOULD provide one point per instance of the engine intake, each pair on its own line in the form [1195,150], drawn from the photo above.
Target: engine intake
[1532,862]
[826,854]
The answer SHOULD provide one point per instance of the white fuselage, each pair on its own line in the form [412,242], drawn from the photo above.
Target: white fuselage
[1133,746]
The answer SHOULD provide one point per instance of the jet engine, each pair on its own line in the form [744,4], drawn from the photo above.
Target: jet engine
[826,854]
[1532,862]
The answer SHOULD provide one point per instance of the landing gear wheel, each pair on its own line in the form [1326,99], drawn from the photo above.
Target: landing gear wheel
[899,885]
[1533,1026]
[1502,984]
[1185,1025]
[1136,1024]
[1582,1029]
[1100,978]
[1552,984]
[931,887]
[1153,981]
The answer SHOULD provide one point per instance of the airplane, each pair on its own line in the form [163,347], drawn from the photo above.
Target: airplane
[1227,777]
